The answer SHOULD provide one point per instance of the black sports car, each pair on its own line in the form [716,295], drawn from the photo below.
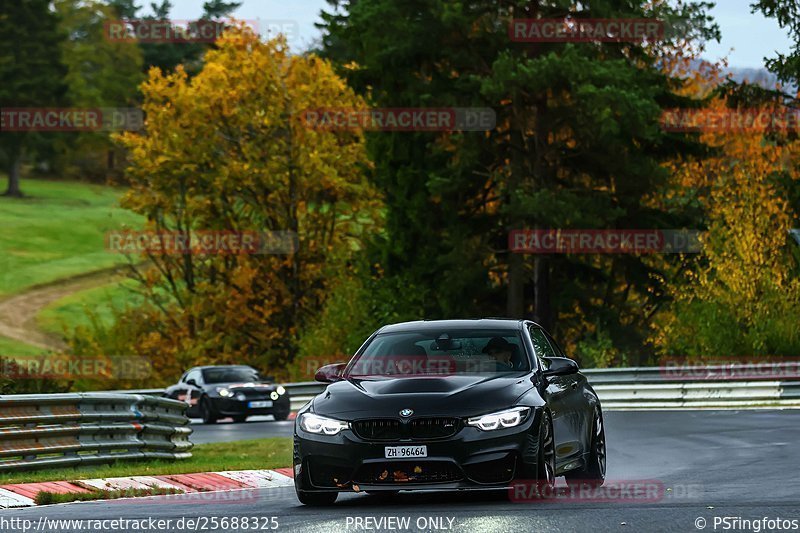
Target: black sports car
[237,391]
[452,404]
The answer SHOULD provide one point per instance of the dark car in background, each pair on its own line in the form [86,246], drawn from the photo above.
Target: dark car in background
[235,391]
[452,404]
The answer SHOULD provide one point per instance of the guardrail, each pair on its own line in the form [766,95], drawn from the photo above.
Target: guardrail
[721,386]
[58,430]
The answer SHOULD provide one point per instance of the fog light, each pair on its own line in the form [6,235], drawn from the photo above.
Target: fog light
[274,395]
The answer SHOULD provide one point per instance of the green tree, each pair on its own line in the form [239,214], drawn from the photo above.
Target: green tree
[167,56]
[577,145]
[32,74]
[787,14]
[100,73]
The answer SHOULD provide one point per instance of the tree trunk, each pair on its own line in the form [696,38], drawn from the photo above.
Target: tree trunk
[14,174]
[515,303]
[541,282]
[541,266]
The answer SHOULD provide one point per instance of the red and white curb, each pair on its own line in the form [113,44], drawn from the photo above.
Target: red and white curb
[24,494]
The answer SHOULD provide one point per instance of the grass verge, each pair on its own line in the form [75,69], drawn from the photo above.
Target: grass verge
[58,231]
[64,315]
[11,348]
[216,457]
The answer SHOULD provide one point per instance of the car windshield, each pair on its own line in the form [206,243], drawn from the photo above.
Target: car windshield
[230,375]
[441,353]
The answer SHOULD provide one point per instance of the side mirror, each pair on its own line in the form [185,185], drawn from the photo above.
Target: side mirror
[560,366]
[330,373]
[191,382]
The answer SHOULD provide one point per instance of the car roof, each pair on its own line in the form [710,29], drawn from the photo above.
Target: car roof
[207,367]
[477,323]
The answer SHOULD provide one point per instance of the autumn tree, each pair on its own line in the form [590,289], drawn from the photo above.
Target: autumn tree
[741,297]
[228,150]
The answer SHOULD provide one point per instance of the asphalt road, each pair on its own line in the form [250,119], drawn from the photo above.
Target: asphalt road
[257,427]
[707,464]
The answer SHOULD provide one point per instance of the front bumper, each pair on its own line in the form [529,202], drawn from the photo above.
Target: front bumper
[470,459]
[234,407]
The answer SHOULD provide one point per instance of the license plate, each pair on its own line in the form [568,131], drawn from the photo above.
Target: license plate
[402,452]
[259,405]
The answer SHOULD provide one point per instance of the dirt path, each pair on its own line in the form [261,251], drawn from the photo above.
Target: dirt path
[18,312]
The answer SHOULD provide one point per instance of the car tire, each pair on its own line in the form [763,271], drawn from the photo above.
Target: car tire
[207,411]
[317,499]
[594,473]
[240,419]
[541,446]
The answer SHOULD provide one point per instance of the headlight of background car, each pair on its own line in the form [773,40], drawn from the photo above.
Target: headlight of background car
[321,425]
[501,419]
[224,392]
[281,390]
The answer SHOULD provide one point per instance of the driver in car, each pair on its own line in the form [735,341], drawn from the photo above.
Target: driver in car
[501,351]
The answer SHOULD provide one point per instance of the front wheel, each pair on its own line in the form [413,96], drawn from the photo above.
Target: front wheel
[317,498]
[594,473]
[542,448]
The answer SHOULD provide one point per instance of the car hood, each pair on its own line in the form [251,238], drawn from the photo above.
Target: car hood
[240,386]
[464,395]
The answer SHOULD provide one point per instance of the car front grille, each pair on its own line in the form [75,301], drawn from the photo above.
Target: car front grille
[253,394]
[378,429]
[434,428]
[408,472]
[390,429]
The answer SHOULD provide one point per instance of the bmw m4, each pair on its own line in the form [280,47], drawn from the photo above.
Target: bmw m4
[449,405]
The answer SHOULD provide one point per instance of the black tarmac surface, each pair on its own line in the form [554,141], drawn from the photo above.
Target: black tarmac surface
[668,471]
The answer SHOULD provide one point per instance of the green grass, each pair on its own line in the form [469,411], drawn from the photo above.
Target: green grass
[11,348]
[220,456]
[57,231]
[71,311]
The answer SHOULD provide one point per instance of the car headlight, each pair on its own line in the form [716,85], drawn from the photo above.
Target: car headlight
[241,397]
[499,420]
[321,425]
[224,392]
[281,390]
[273,395]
